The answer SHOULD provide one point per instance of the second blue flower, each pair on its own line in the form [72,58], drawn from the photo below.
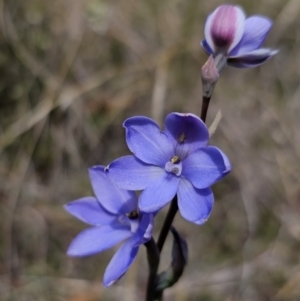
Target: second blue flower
[174,161]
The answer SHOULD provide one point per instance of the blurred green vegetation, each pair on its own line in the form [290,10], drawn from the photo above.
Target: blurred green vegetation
[71,71]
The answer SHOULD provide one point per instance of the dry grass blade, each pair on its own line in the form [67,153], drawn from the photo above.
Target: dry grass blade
[213,127]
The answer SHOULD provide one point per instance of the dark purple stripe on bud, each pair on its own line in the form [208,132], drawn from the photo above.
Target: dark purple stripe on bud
[223,27]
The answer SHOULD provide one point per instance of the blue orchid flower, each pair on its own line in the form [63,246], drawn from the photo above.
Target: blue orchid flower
[174,161]
[114,217]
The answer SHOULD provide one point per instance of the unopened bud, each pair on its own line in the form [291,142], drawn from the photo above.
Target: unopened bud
[209,76]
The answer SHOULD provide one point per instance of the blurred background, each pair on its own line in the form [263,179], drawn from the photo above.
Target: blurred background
[71,71]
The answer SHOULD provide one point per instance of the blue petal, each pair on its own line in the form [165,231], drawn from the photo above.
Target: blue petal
[112,198]
[195,205]
[146,140]
[251,59]
[256,30]
[144,232]
[187,131]
[120,262]
[130,173]
[97,239]
[205,166]
[206,47]
[158,193]
[89,211]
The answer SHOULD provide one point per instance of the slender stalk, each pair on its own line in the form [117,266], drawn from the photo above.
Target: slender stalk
[204,108]
[174,206]
[153,262]
[154,250]
[167,224]
[160,297]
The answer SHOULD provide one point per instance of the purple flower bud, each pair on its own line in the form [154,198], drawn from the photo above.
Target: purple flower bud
[229,34]
[209,76]
[224,28]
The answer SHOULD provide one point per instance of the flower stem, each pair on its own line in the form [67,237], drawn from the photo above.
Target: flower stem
[167,223]
[153,262]
[174,206]
[154,249]
[204,108]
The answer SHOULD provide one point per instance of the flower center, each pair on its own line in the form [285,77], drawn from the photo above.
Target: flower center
[174,166]
[132,215]
[130,219]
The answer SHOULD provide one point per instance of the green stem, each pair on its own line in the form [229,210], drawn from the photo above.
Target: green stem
[174,205]
[153,262]
[204,108]
[153,249]
[167,223]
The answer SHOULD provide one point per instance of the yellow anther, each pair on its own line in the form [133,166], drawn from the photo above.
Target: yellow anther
[175,160]
[132,215]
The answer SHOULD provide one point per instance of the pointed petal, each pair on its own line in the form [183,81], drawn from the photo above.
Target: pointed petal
[97,239]
[251,59]
[206,47]
[158,193]
[224,28]
[131,173]
[112,198]
[256,30]
[89,211]
[205,166]
[120,262]
[187,132]
[146,140]
[195,205]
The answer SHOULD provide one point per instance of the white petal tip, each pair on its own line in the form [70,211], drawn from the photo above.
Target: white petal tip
[109,283]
